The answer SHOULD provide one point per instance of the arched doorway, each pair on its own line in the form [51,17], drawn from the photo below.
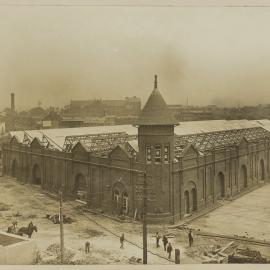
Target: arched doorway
[120,199]
[36,175]
[194,199]
[243,177]
[186,198]
[261,171]
[14,169]
[190,197]
[116,196]
[80,187]
[220,186]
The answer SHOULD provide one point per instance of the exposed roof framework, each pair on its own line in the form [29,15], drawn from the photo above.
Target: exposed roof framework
[210,140]
[102,143]
[45,141]
[204,135]
[27,139]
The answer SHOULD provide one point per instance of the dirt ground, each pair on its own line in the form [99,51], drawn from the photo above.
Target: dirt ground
[248,216]
[25,203]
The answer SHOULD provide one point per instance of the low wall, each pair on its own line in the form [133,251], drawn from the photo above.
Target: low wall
[21,252]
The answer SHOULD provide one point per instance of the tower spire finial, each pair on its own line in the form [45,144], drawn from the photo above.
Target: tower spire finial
[155,85]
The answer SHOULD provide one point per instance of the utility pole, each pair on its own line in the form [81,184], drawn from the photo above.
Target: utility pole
[145,219]
[61,226]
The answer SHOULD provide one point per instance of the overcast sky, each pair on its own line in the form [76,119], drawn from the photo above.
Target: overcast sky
[213,55]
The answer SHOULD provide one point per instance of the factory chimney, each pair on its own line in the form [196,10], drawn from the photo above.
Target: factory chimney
[12,103]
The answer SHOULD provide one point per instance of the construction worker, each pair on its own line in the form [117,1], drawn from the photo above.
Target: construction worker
[87,247]
[157,239]
[190,238]
[169,250]
[122,238]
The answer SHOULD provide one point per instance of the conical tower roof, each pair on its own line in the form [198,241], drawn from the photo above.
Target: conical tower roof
[156,111]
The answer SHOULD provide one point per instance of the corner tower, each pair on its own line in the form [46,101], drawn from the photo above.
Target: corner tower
[156,150]
[156,130]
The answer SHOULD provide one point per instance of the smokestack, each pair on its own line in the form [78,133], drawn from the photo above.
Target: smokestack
[12,102]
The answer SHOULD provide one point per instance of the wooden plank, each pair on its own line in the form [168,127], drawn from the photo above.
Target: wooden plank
[228,245]
[135,214]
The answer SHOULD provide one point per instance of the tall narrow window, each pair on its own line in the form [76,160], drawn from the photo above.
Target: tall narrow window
[157,154]
[148,154]
[166,154]
[125,202]
[116,197]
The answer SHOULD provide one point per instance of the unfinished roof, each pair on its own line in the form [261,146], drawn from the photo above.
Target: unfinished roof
[204,142]
[156,111]
[63,139]
[203,134]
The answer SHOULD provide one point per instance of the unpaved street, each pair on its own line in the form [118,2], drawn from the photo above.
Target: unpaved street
[25,203]
[248,215]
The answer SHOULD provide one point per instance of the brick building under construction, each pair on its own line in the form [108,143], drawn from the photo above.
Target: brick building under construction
[189,166]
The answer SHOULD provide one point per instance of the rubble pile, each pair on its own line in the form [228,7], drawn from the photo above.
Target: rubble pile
[56,219]
[246,255]
[218,254]
[134,260]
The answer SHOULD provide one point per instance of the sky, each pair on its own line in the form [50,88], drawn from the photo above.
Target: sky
[212,55]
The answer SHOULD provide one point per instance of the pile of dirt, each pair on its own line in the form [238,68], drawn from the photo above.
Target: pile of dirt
[52,255]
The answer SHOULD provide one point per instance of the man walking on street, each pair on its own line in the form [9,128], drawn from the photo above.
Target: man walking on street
[165,241]
[122,238]
[157,240]
[190,238]
[169,250]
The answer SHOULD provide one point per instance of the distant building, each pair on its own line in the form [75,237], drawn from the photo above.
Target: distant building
[101,108]
[52,120]
[190,113]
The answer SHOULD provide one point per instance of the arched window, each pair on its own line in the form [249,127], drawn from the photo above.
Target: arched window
[14,169]
[166,153]
[148,154]
[125,202]
[80,187]
[116,196]
[186,198]
[36,175]
[157,154]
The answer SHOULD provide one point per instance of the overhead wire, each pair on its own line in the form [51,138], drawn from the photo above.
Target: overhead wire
[116,235]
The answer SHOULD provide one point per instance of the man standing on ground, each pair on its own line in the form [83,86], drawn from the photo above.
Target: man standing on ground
[157,240]
[190,238]
[165,241]
[169,250]
[87,247]
[122,238]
